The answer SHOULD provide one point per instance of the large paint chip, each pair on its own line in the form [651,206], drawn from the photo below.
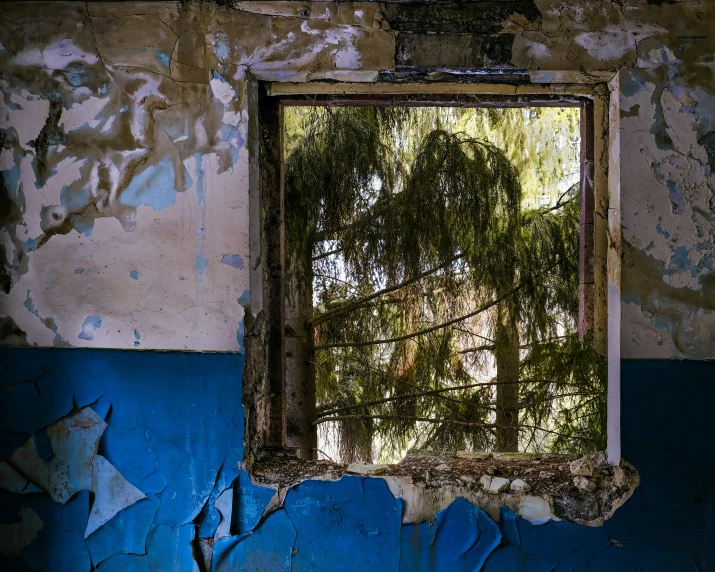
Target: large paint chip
[112,493]
[126,533]
[74,442]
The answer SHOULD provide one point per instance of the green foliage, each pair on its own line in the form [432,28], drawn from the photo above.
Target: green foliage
[412,224]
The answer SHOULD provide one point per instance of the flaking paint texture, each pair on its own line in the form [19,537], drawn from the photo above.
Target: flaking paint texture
[124,224]
[124,158]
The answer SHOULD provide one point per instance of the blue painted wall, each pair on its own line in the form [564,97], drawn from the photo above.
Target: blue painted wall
[175,428]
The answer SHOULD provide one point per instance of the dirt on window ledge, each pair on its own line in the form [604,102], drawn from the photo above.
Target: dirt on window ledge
[585,490]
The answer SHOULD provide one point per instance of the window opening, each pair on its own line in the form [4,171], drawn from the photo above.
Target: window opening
[439,279]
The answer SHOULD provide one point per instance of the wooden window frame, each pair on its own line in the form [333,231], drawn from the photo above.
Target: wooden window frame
[265,379]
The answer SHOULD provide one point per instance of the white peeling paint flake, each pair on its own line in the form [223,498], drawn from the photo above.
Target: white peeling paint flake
[27,113]
[85,113]
[112,493]
[55,56]
[232,118]
[221,89]
[613,43]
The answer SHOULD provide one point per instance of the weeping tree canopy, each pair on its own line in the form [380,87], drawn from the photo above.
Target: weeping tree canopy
[429,262]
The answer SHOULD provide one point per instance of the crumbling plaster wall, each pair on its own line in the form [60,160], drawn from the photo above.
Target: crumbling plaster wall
[124,162]
[124,213]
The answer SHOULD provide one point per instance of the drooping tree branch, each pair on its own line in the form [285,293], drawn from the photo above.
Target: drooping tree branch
[442,421]
[325,255]
[404,418]
[355,304]
[411,335]
[423,394]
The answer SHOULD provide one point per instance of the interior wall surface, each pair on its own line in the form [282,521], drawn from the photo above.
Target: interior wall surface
[124,226]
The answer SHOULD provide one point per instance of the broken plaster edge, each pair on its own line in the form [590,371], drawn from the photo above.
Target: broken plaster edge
[421,503]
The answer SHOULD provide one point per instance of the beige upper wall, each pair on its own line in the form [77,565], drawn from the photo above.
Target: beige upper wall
[125,163]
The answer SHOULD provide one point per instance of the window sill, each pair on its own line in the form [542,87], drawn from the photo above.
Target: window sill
[539,487]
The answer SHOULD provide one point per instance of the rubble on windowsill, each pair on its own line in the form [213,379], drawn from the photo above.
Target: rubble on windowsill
[539,487]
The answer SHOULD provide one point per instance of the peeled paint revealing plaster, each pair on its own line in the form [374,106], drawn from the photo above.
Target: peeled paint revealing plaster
[662,53]
[123,141]
[586,490]
[315,522]
[123,148]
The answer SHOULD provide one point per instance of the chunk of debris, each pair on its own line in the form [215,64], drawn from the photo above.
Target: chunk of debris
[582,467]
[519,486]
[363,468]
[496,484]
[584,483]
[442,467]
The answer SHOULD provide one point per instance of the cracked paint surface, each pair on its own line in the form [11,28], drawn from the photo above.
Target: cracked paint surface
[171,425]
[123,150]
[157,445]
[125,132]
[124,223]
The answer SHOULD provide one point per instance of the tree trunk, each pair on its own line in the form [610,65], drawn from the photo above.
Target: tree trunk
[507,358]
[300,371]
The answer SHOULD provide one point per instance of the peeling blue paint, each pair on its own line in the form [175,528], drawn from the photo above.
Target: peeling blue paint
[153,187]
[233,260]
[175,431]
[268,548]
[134,274]
[60,544]
[74,199]
[125,533]
[163,58]
[146,459]
[201,264]
[29,245]
[252,499]
[200,190]
[49,322]
[631,84]
[166,415]
[169,548]
[91,323]
[79,270]
[362,513]
[660,230]
[461,538]
[245,298]
[681,259]
[82,226]
[221,48]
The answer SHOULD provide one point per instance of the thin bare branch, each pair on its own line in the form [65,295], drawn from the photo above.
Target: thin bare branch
[320,318]
[411,335]
[423,394]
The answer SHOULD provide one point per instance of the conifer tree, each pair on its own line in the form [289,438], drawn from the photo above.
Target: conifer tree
[444,296]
